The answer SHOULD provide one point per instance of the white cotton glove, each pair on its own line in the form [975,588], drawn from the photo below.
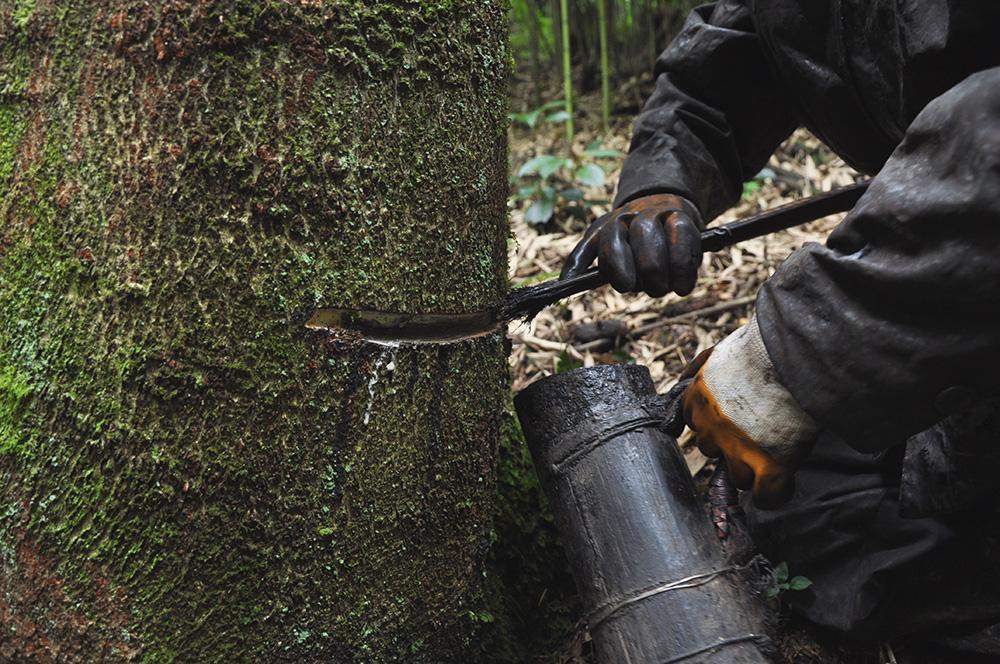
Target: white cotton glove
[739,409]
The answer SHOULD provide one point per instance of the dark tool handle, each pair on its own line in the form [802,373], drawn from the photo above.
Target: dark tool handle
[784,217]
[530,300]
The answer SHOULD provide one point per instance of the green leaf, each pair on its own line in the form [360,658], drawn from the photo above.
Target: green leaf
[525,193]
[604,153]
[537,278]
[773,592]
[540,212]
[542,165]
[551,105]
[553,165]
[623,357]
[557,117]
[566,362]
[572,194]
[529,119]
[590,175]
[781,572]
[799,583]
[529,167]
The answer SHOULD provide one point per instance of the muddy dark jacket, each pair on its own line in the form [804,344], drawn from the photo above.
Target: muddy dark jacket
[894,324]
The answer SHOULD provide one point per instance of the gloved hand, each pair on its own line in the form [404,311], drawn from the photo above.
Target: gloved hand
[737,408]
[651,244]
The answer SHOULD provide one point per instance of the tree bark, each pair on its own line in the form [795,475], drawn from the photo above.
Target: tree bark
[187,473]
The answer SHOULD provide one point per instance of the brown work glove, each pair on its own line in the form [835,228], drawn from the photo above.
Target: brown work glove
[737,408]
[652,244]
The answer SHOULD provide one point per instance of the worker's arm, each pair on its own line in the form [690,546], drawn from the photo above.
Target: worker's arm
[895,322]
[714,119]
[889,328]
[716,115]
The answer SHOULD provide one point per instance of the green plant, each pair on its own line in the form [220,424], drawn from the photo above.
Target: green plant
[752,186]
[544,113]
[480,616]
[566,362]
[550,182]
[780,582]
[529,23]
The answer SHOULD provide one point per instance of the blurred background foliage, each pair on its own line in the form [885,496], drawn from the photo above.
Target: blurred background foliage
[599,51]
[636,32]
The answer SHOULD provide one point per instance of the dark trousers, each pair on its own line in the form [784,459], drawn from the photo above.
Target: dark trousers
[875,573]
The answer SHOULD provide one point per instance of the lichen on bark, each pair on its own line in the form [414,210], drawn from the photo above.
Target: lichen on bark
[187,473]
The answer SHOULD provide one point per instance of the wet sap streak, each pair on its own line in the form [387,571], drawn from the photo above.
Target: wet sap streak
[384,364]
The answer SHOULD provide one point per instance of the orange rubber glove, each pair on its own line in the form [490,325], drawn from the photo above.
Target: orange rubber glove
[738,409]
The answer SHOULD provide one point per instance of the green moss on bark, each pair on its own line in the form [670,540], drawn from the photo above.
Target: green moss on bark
[208,481]
[14,389]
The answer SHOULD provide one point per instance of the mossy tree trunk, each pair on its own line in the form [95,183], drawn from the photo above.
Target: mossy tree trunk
[187,473]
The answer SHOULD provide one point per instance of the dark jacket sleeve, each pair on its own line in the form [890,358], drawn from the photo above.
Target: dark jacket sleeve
[895,323]
[715,117]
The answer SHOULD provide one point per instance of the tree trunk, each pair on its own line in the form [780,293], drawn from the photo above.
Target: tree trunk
[188,474]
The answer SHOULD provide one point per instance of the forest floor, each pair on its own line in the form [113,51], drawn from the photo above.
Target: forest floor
[662,334]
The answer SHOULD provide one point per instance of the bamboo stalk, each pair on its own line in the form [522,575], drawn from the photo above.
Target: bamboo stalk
[654,50]
[567,73]
[602,19]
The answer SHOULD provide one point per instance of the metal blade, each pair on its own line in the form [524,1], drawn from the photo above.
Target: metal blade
[398,328]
